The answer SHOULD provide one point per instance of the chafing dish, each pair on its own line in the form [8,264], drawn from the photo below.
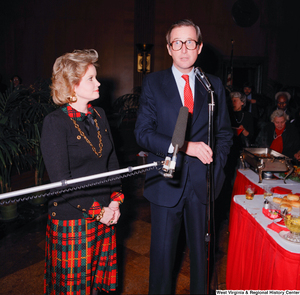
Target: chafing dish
[266,160]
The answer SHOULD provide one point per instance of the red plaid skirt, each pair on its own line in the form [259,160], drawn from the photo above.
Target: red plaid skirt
[80,255]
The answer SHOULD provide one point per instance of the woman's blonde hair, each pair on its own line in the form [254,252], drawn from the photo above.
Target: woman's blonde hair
[68,70]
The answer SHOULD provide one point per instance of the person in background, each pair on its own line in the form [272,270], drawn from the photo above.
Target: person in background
[241,121]
[243,136]
[184,197]
[76,142]
[256,105]
[16,81]
[255,102]
[282,99]
[280,135]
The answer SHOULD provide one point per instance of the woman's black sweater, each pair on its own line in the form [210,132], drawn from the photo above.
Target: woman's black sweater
[67,155]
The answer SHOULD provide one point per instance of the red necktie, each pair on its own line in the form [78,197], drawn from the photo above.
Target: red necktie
[188,95]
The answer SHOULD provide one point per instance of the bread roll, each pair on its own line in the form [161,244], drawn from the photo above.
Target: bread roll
[286,205]
[277,200]
[295,204]
[292,197]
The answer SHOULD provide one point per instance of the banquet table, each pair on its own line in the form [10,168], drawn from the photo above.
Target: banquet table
[258,257]
[248,176]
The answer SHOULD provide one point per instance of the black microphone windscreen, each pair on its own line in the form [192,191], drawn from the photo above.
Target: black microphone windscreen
[180,127]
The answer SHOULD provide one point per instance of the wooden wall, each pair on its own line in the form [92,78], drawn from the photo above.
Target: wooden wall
[37,32]
[34,33]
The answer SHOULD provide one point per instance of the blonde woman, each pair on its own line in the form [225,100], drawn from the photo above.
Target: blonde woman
[76,141]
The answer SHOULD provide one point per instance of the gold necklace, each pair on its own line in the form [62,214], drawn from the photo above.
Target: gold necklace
[98,154]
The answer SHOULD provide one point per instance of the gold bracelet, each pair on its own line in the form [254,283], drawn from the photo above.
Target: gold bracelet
[100,216]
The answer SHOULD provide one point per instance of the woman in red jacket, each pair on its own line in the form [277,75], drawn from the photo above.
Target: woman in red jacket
[280,135]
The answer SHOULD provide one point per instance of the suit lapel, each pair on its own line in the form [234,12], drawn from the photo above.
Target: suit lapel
[200,100]
[171,90]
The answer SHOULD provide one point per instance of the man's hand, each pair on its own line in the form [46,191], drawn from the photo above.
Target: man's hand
[199,150]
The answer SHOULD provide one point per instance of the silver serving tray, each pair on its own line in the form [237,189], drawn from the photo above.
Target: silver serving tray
[266,160]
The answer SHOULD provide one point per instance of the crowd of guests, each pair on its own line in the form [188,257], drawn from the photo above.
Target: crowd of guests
[258,121]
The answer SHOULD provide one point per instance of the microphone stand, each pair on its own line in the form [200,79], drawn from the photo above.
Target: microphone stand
[210,179]
[65,183]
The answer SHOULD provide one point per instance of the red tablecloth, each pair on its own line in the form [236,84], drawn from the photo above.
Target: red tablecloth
[239,189]
[255,261]
[240,182]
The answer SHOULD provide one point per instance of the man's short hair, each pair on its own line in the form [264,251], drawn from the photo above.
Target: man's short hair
[184,23]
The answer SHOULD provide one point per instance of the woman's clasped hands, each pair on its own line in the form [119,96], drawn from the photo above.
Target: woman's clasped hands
[111,214]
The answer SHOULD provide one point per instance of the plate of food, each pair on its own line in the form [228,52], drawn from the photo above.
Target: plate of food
[295,176]
[289,202]
[271,213]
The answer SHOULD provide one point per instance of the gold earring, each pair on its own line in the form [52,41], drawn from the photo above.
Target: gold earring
[73,98]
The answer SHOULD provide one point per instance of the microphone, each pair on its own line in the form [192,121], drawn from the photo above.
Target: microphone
[177,141]
[202,78]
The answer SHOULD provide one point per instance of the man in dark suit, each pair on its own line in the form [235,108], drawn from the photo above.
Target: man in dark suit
[256,105]
[254,102]
[184,196]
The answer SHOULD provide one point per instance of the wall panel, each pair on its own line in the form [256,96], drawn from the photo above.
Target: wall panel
[34,33]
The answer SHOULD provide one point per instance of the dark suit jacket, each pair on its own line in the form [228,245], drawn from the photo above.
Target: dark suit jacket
[159,107]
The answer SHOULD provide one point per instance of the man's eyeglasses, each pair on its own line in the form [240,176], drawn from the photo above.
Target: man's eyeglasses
[189,44]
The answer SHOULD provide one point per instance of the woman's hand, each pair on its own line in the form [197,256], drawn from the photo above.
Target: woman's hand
[114,205]
[108,216]
[245,132]
[297,155]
